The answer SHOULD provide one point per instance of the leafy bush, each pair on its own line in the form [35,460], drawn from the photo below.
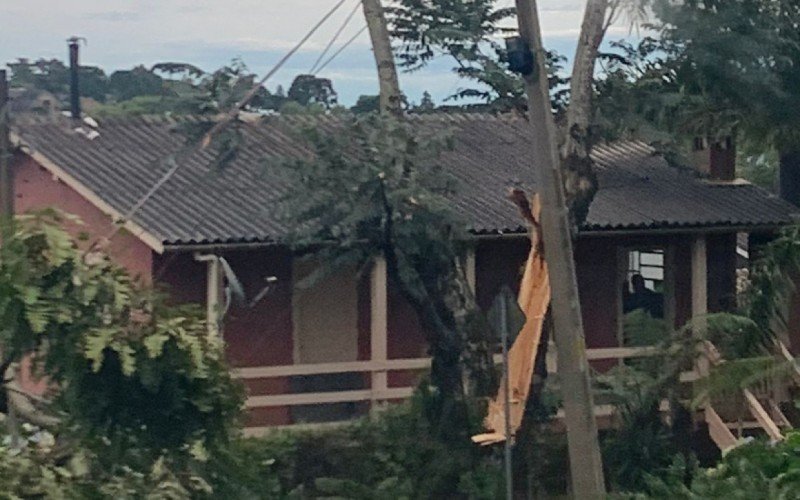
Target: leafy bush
[754,471]
[394,455]
[139,387]
[38,468]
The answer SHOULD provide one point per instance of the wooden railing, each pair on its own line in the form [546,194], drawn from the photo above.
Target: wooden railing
[378,394]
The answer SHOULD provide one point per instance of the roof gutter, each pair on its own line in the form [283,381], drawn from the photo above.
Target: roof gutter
[194,247]
[683,230]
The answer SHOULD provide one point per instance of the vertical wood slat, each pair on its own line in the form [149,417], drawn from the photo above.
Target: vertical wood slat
[700,295]
[213,306]
[670,309]
[379,348]
[470,269]
[214,283]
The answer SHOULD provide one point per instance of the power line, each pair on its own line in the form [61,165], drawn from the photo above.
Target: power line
[341,49]
[338,33]
[172,160]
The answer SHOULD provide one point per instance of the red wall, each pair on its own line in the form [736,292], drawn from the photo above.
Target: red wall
[37,189]
[596,269]
[721,251]
[255,336]
[499,263]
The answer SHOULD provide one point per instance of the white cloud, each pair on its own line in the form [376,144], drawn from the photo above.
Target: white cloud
[122,33]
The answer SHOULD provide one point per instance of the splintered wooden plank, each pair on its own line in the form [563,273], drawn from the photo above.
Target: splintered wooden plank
[719,432]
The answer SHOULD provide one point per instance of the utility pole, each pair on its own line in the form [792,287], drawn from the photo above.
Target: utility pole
[6,179]
[586,468]
[390,96]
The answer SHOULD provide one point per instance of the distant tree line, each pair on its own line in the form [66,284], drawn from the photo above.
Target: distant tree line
[182,88]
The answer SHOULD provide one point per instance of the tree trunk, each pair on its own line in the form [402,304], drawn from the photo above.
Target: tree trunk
[580,182]
[579,113]
[573,368]
[789,175]
[390,96]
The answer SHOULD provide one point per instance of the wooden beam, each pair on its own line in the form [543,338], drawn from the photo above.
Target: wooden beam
[719,432]
[762,417]
[319,398]
[379,327]
[331,368]
[387,365]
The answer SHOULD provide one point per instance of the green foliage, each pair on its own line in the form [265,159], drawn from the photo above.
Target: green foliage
[645,443]
[771,284]
[375,187]
[757,470]
[712,68]
[38,468]
[758,166]
[139,81]
[397,454]
[53,76]
[131,376]
[309,89]
[366,104]
[741,56]
[468,32]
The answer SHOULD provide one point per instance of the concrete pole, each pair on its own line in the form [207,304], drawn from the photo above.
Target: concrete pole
[390,96]
[586,466]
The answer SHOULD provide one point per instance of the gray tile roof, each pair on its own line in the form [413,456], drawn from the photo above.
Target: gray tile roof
[638,189]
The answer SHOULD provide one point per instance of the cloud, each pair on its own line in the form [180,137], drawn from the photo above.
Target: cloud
[209,33]
[115,16]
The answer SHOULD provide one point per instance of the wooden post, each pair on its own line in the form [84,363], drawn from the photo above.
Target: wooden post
[619,307]
[470,270]
[700,296]
[379,350]
[6,177]
[586,467]
[669,286]
[213,292]
[213,303]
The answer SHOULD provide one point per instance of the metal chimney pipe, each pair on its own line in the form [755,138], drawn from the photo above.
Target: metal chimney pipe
[74,84]
[6,177]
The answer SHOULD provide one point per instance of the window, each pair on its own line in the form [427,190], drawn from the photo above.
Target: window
[644,282]
[650,265]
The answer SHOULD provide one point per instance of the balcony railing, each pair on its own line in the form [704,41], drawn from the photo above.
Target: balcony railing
[379,391]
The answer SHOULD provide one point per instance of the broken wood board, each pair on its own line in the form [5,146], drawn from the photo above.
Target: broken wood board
[534,299]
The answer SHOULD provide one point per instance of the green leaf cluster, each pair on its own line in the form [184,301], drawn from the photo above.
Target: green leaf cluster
[131,377]
[757,470]
[373,185]
[468,33]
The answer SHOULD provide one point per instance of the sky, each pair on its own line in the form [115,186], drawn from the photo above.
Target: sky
[210,33]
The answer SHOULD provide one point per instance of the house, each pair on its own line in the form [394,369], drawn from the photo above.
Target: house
[327,352]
